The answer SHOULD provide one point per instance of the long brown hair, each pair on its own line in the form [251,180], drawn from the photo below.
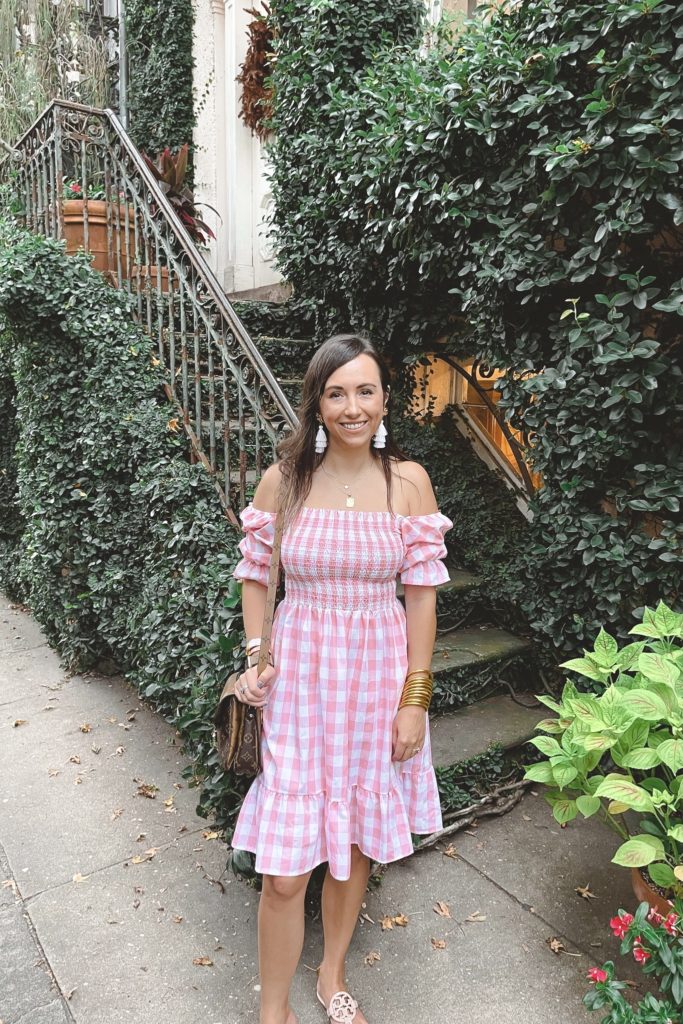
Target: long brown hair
[297,456]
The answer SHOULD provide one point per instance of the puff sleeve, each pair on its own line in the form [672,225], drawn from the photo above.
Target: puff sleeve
[424,549]
[256,545]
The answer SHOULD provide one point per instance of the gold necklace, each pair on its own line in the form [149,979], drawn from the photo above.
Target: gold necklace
[350,500]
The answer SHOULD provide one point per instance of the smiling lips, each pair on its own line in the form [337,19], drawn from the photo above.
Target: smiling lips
[353,426]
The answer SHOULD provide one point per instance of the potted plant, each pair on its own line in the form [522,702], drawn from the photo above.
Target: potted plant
[170,172]
[75,201]
[620,749]
[656,943]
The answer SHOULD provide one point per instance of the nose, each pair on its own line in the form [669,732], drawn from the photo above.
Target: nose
[352,407]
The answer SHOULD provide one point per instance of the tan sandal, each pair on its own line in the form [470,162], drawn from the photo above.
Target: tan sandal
[342,1008]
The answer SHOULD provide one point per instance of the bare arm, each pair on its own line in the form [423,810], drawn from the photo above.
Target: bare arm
[420,605]
[254,594]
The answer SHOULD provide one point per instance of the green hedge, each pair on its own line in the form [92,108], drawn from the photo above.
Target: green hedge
[518,195]
[161,65]
[116,542]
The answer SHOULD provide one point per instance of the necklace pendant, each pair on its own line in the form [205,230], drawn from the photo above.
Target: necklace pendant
[349,501]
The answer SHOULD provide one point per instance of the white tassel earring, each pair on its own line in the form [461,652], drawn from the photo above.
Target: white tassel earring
[320,440]
[380,438]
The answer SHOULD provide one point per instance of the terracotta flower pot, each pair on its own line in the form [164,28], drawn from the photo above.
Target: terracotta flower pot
[644,893]
[74,233]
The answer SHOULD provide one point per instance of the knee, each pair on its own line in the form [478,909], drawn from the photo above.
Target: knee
[283,888]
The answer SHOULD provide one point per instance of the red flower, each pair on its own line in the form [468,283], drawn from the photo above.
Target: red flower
[597,974]
[75,187]
[640,955]
[619,925]
[670,924]
[654,917]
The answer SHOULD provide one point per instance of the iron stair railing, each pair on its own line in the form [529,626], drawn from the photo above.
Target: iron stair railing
[230,404]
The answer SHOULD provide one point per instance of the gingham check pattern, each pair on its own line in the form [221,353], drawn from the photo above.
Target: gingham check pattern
[340,651]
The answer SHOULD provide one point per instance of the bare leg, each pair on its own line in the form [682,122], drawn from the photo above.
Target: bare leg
[280,941]
[341,902]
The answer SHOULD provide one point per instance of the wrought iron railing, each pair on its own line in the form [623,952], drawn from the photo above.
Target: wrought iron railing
[480,377]
[230,404]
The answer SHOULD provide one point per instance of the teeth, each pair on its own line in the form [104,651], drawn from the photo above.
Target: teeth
[352,426]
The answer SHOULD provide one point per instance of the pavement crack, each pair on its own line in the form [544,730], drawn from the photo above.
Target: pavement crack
[527,907]
[28,900]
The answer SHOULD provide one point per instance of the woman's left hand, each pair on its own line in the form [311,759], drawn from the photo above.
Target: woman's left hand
[408,733]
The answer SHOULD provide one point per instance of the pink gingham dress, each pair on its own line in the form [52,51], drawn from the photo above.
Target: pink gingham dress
[340,653]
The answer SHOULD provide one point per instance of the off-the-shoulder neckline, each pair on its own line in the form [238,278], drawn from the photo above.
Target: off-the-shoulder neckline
[355,512]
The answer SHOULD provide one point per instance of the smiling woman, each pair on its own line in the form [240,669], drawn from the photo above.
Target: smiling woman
[347,771]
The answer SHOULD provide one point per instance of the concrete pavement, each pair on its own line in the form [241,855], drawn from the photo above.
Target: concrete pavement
[116,906]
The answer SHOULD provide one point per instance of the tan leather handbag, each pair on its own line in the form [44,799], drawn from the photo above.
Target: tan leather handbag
[237,726]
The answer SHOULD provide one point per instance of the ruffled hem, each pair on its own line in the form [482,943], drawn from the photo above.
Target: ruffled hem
[293,833]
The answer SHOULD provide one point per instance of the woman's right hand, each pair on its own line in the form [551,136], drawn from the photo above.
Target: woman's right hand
[253,689]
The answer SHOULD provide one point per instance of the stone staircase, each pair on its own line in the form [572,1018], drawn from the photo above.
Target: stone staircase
[484,709]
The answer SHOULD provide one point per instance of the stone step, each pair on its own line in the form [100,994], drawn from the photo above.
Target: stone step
[471,730]
[475,646]
[460,580]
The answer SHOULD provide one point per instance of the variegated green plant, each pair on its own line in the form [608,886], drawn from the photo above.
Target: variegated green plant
[622,750]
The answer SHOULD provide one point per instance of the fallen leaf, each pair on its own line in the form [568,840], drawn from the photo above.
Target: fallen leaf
[140,858]
[113,719]
[86,727]
[556,945]
[366,917]
[140,836]
[9,883]
[439,943]
[78,780]
[584,891]
[475,917]
[75,759]
[136,904]
[183,828]
[203,961]
[388,922]
[177,919]
[78,878]
[442,909]
[526,817]
[147,789]
[95,749]
[169,802]
[20,721]
[71,992]
[116,813]
[53,771]
[372,957]
[210,835]
[177,785]
[450,851]
[46,707]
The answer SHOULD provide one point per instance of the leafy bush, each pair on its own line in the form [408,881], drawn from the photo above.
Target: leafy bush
[119,546]
[518,195]
[159,39]
[634,724]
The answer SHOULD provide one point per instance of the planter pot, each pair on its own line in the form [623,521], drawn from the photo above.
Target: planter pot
[143,276]
[74,234]
[643,892]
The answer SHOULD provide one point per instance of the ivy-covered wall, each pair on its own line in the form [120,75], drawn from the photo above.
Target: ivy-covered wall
[116,542]
[518,195]
[159,39]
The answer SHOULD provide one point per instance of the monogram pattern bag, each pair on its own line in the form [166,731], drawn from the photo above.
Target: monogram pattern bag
[237,726]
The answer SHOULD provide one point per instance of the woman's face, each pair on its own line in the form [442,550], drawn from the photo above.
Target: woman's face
[352,403]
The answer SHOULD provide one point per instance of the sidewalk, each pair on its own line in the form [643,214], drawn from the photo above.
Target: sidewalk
[107,896]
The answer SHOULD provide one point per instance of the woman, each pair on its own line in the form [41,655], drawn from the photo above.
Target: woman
[347,773]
